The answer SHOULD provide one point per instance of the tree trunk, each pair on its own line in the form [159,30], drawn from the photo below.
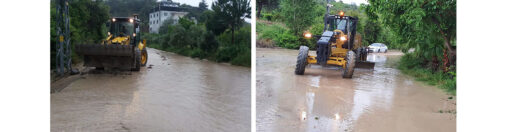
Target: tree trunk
[434,65]
[260,6]
[232,35]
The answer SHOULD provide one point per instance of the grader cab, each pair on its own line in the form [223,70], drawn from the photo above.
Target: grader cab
[339,45]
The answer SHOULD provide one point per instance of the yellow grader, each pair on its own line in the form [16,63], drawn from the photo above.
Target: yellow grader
[123,47]
[339,45]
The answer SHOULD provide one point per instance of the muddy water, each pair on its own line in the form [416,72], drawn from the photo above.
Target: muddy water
[378,100]
[177,94]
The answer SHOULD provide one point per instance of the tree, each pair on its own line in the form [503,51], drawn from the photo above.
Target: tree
[419,24]
[214,23]
[202,5]
[372,32]
[298,15]
[231,13]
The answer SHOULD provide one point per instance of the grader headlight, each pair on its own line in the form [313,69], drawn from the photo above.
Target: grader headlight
[343,38]
[114,20]
[131,20]
[308,35]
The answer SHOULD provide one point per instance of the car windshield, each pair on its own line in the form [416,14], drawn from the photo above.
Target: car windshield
[339,24]
[376,44]
[121,28]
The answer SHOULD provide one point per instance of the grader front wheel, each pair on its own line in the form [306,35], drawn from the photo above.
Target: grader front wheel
[137,59]
[302,60]
[348,70]
[144,57]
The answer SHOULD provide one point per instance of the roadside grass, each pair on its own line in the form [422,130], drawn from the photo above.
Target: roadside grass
[410,65]
[272,34]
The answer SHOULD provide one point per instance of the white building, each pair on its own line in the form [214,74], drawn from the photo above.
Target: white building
[165,10]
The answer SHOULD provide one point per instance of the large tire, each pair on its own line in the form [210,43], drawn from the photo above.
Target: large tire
[348,70]
[144,57]
[137,59]
[302,60]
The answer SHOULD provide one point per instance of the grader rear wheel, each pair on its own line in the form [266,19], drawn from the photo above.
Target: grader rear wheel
[302,60]
[348,70]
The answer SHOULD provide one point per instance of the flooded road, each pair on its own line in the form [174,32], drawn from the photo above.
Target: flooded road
[176,94]
[379,100]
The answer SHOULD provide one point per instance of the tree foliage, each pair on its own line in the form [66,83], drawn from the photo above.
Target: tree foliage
[87,24]
[202,5]
[298,15]
[429,26]
[231,13]
[418,24]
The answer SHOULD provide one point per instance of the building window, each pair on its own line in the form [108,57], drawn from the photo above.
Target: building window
[166,14]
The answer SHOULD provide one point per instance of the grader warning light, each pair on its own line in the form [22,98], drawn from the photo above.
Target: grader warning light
[341,13]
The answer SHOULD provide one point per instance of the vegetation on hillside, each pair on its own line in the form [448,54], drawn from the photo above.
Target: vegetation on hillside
[429,27]
[87,24]
[223,35]
[220,35]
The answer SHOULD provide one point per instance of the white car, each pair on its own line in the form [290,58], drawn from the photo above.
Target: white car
[377,47]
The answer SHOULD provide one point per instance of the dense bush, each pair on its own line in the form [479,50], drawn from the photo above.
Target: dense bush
[194,40]
[238,53]
[412,65]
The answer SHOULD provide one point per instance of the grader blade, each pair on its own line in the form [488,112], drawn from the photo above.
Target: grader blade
[106,56]
[365,64]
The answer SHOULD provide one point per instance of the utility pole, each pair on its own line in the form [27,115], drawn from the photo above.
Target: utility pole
[63,47]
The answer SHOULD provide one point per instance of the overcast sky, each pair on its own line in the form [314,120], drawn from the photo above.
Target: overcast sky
[192,2]
[209,2]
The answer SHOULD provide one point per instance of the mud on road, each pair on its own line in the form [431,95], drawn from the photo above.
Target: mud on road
[378,100]
[173,93]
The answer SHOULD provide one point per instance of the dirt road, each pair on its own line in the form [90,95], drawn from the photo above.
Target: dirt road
[177,94]
[379,100]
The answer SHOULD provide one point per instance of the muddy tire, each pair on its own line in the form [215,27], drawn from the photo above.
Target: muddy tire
[145,55]
[137,59]
[302,60]
[350,63]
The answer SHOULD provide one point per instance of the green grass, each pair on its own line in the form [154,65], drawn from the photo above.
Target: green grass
[276,32]
[410,65]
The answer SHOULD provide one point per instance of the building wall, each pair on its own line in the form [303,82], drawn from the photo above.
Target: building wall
[157,18]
